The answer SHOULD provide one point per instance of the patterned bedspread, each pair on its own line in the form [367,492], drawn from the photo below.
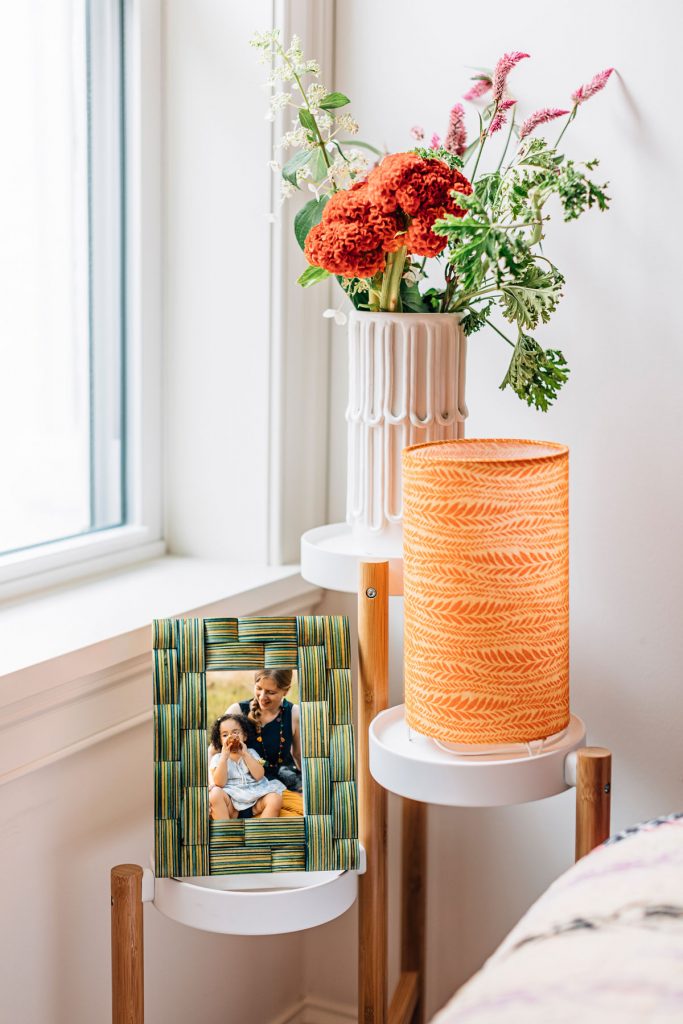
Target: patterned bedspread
[604,942]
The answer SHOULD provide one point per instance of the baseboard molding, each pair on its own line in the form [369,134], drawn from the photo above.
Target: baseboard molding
[317,1011]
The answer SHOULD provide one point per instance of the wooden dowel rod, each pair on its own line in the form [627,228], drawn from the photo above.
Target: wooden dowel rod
[414,898]
[405,999]
[593,797]
[373,690]
[127,968]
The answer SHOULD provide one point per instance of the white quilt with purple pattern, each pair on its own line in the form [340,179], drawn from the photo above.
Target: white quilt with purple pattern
[603,944]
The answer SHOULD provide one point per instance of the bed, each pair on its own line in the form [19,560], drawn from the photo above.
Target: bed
[603,943]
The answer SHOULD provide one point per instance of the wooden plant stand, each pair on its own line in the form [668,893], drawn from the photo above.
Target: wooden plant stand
[588,768]
[592,767]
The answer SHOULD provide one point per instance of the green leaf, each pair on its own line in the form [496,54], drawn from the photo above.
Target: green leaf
[312,275]
[307,217]
[334,100]
[473,319]
[444,155]
[296,163]
[533,296]
[535,374]
[308,121]
[318,165]
[411,300]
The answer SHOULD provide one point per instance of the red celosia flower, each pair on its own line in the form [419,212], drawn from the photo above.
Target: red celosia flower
[597,82]
[500,118]
[540,117]
[480,88]
[338,248]
[422,189]
[419,239]
[353,236]
[456,137]
[501,71]
[407,182]
[360,225]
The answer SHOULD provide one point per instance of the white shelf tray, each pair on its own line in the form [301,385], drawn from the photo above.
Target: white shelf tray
[259,904]
[330,557]
[413,766]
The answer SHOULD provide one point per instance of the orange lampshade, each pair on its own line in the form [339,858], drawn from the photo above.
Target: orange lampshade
[486,586]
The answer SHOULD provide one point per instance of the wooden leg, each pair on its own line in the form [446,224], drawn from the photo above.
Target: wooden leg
[593,797]
[127,977]
[373,655]
[413,915]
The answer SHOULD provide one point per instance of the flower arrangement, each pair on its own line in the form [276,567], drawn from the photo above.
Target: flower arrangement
[376,219]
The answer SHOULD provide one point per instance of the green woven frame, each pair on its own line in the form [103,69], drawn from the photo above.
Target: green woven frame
[186,841]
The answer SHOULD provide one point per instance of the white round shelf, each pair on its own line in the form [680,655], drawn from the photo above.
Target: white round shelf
[259,904]
[330,557]
[413,766]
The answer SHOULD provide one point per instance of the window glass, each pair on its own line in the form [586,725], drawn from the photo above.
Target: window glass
[61,401]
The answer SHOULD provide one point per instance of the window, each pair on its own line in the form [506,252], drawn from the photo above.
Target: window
[80,412]
[62,304]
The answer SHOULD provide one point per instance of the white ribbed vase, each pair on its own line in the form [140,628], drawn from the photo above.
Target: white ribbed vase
[406,386]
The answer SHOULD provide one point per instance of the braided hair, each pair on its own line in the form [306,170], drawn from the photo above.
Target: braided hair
[282,677]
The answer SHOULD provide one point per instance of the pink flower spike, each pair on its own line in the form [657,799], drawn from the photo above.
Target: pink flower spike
[456,136]
[597,82]
[436,141]
[501,116]
[501,71]
[480,88]
[417,132]
[539,117]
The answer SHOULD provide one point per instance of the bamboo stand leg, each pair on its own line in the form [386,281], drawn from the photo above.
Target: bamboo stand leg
[373,655]
[127,978]
[593,797]
[408,1004]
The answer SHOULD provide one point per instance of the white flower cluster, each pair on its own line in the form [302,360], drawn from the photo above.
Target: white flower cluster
[316,93]
[345,123]
[334,168]
[293,64]
[296,138]
[279,100]
[346,169]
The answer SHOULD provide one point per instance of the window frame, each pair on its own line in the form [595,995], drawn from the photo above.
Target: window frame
[140,535]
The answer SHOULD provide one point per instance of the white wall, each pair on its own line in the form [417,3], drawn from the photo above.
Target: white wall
[618,326]
[64,828]
[216,279]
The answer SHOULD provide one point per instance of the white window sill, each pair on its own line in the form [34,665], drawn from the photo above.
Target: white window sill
[94,624]
[79,656]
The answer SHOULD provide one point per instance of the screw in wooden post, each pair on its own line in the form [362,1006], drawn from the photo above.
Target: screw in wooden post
[593,798]
[373,690]
[127,967]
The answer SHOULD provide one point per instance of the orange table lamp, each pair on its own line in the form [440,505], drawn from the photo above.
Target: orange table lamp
[486,587]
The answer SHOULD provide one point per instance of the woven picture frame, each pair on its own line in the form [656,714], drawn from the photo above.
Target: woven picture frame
[187,842]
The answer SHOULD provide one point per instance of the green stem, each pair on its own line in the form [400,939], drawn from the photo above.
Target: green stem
[390,300]
[463,299]
[507,142]
[374,299]
[515,227]
[321,144]
[571,117]
[503,336]
[482,139]
[476,162]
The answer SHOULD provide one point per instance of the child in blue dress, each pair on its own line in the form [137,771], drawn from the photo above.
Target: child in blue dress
[238,784]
